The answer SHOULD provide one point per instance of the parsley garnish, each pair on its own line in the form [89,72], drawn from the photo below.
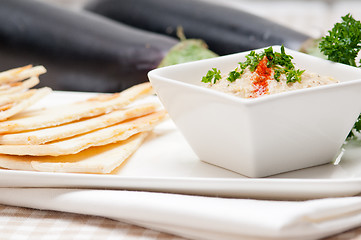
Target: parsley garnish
[212,76]
[280,62]
[294,75]
[252,60]
[342,44]
[233,76]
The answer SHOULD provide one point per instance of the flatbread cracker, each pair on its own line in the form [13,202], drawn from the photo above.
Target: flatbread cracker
[102,159]
[18,86]
[15,162]
[11,108]
[35,119]
[115,133]
[45,135]
[14,97]
[21,73]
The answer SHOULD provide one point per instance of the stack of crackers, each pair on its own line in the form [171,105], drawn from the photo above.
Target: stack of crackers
[15,92]
[92,136]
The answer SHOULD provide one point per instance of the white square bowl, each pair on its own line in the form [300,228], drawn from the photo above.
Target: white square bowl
[267,135]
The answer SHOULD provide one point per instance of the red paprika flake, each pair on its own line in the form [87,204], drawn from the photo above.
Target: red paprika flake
[260,77]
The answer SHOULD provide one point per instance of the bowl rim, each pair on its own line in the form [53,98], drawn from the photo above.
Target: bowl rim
[261,99]
[155,75]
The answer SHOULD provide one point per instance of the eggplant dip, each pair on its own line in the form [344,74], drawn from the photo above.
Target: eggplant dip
[264,73]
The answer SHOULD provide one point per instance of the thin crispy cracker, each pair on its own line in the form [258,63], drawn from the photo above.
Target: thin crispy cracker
[35,119]
[18,86]
[103,159]
[15,107]
[115,133]
[15,162]
[45,135]
[21,73]
[14,97]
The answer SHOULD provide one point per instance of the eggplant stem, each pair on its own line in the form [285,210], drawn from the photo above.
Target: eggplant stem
[180,33]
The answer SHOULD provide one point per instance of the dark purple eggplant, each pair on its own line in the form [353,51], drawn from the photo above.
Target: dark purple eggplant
[224,29]
[81,50]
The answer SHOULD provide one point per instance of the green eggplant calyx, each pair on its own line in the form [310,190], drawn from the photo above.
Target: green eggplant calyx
[311,47]
[187,50]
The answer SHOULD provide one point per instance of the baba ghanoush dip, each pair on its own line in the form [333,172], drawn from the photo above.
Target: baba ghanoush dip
[264,73]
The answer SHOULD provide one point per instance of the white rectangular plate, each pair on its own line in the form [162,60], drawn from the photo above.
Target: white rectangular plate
[165,163]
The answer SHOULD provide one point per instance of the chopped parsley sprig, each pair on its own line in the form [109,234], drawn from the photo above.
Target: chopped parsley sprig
[282,64]
[343,44]
[212,76]
[233,76]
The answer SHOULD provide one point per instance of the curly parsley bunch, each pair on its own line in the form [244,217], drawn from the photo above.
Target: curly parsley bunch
[343,44]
